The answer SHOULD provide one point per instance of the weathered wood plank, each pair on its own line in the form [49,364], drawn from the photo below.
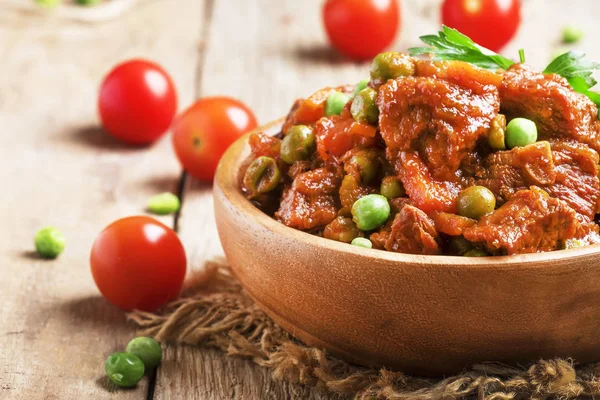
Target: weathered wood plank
[59,169]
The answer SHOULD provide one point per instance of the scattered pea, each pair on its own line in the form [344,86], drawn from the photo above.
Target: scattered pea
[335,103]
[520,132]
[370,212]
[146,349]
[49,242]
[496,135]
[262,175]
[362,242]
[390,65]
[48,3]
[475,201]
[476,253]
[124,369]
[391,187]
[571,34]
[164,204]
[298,144]
[360,86]
[363,107]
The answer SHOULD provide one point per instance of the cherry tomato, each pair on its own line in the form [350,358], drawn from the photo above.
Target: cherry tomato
[490,23]
[137,102]
[361,29]
[138,263]
[206,129]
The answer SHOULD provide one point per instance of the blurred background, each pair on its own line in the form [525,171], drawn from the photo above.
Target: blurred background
[62,168]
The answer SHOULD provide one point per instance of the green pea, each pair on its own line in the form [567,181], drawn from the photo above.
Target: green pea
[262,176]
[496,135]
[298,144]
[370,212]
[459,246]
[367,166]
[164,204]
[49,242]
[363,107]
[574,243]
[362,242]
[391,65]
[520,132]
[335,103]
[476,253]
[146,349]
[341,229]
[391,187]
[475,202]
[48,3]
[360,86]
[571,34]
[124,369]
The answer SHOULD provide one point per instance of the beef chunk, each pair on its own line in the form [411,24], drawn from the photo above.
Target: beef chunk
[507,172]
[576,180]
[451,224]
[430,126]
[549,100]
[412,232]
[309,202]
[530,222]
[566,170]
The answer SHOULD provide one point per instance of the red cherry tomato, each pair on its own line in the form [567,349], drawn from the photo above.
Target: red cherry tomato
[138,263]
[490,23]
[361,29]
[137,102]
[206,129]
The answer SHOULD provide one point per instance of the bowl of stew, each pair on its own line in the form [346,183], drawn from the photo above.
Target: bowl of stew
[436,216]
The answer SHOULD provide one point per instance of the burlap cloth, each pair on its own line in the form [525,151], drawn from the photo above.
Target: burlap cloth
[214,311]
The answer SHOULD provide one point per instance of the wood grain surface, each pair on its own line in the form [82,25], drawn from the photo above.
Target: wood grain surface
[60,169]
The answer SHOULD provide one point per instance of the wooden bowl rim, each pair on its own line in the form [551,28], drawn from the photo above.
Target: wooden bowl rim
[227,179]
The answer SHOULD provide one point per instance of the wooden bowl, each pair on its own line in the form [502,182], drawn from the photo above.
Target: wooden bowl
[425,315]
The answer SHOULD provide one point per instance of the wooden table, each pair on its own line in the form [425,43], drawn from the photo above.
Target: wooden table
[59,168]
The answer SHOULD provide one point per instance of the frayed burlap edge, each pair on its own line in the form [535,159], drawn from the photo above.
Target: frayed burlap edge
[215,311]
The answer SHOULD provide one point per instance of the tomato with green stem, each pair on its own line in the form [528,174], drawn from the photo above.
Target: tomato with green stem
[490,23]
[137,102]
[206,129]
[138,263]
[360,29]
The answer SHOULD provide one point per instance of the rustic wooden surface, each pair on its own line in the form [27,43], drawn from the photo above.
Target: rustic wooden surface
[60,169]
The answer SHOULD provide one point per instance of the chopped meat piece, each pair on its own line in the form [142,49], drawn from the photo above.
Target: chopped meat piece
[461,73]
[308,111]
[565,170]
[412,232]
[318,181]
[547,99]
[451,224]
[340,133]
[509,171]
[427,193]
[530,222]
[577,180]
[264,145]
[309,203]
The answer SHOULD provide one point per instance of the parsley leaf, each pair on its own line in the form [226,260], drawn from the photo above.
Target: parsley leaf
[450,44]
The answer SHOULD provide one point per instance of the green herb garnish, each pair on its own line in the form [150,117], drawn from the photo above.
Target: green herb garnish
[450,44]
